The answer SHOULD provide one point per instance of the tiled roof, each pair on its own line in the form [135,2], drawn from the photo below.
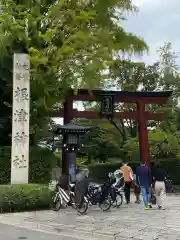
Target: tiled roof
[72,127]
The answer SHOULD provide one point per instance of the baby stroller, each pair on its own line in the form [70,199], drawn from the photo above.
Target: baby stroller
[118,174]
[117,188]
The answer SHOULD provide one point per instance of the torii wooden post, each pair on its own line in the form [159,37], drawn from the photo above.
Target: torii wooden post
[139,98]
[143,133]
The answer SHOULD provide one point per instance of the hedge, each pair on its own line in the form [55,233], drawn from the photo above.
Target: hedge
[41,161]
[99,172]
[16,198]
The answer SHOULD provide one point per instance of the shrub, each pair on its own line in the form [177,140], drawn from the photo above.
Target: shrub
[5,165]
[99,172]
[15,198]
[41,161]
[40,165]
[172,168]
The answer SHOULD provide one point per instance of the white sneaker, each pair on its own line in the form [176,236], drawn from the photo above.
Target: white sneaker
[161,208]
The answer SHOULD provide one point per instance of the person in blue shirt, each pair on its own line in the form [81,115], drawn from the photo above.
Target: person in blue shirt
[144,179]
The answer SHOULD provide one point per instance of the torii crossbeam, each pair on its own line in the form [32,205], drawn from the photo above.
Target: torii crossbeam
[141,115]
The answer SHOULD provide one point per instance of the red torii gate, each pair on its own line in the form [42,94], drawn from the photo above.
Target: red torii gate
[141,115]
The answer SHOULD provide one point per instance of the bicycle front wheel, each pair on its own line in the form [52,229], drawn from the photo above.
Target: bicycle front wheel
[105,205]
[56,203]
[82,209]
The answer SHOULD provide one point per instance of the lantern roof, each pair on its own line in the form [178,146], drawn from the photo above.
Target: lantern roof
[73,128]
[98,92]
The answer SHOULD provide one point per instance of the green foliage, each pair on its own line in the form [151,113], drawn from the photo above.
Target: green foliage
[5,100]
[59,159]
[5,165]
[70,43]
[134,76]
[99,172]
[172,168]
[81,161]
[162,144]
[86,41]
[131,147]
[104,142]
[15,198]
[40,164]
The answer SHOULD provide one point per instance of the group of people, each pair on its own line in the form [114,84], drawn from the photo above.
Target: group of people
[150,182]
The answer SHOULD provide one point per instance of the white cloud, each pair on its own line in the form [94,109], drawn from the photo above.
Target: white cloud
[157,22]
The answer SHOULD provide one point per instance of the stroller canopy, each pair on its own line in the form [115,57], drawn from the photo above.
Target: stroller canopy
[119,179]
[118,173]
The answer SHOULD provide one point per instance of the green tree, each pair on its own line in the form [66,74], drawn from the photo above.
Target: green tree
[164,75]
[70,43]
[104,142]
[169,80]
[134,76]
[162,144]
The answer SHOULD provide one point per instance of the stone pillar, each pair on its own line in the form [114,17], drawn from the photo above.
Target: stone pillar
[143,133]
[68,116]
[20,119]
[72,166]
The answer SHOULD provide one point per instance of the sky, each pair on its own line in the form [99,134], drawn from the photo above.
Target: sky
[156,22]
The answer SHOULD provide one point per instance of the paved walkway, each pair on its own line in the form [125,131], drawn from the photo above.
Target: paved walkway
[128,222]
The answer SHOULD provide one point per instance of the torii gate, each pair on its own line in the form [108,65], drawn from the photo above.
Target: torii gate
[141,115]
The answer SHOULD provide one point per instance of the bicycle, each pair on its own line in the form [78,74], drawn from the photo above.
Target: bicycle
[72,194]
[83,207]
[116,197]
[60,199]
[96,195]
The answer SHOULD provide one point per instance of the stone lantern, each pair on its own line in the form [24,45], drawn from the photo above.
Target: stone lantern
[73,135]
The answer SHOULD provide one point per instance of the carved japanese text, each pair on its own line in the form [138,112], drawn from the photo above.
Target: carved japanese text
[21,76]
[20,116]
[22,65]
[20,162]
[20,138]
[21,94]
